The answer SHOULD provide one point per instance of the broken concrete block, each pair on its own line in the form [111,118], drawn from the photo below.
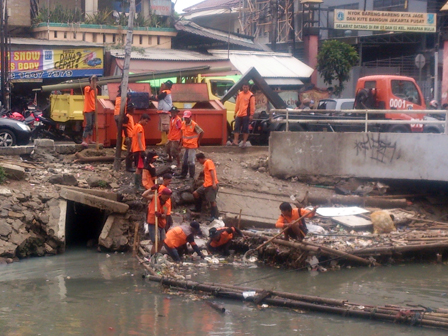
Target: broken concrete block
[47,144]
[13,172]
[5,229]
[18,215]
[56,221]
[64,179]
[7,249]
[95,181]
[5,191]
[93,201]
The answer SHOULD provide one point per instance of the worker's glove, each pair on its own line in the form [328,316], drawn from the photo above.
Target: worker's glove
[158,214]
[155,187]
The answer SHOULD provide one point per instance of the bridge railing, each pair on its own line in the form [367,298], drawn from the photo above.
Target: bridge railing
[288,113]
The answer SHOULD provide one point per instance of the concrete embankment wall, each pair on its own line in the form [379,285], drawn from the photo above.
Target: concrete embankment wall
[368,155]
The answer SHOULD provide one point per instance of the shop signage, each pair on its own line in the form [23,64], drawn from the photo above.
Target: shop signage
[56,63]
[384,21]
[161,7]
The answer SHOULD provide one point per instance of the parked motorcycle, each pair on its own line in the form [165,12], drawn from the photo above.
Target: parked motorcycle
[48,129]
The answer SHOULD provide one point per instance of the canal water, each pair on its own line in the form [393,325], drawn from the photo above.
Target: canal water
[87,293]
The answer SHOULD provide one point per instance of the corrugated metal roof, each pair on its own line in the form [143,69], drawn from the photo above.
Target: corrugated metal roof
[50,43]
[268,64]
[166,55]
[207,4]
[193,28]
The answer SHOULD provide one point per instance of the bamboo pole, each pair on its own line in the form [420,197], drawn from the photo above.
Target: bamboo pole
[399,249]
[135,247]
[156,226]
[394,314]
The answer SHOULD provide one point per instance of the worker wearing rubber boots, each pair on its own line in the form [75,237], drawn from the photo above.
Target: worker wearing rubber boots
[209,189]
[89,110]
[163,208]
[177,238]
[191,141]
[172,147]
[220,239]
[288,216]
[138,149]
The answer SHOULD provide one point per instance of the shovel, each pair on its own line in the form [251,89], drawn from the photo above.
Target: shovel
[252,251]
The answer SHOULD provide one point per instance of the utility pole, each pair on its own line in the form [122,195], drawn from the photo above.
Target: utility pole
[274,11]
[124,83]
[3,53]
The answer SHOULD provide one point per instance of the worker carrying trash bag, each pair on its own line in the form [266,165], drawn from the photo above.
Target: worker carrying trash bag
[177,238]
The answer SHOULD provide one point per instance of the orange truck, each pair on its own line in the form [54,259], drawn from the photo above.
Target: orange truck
[389,92]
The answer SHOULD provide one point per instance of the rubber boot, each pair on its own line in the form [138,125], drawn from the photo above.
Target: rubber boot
[192,170]
[138,182]
[184,172]
[197,205]
[164,139]
[214,213]
[128,161]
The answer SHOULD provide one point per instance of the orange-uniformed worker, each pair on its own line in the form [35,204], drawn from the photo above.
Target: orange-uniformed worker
[138,149]
[244,113]
[174,136]
[288,216]
[128,130]
[191,140]
[209,189]
[163,208]
[177,238]
[149,170]
[167,178]
[221,238]
[89,110]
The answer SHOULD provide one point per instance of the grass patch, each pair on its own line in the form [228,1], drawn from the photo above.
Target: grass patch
[2,175]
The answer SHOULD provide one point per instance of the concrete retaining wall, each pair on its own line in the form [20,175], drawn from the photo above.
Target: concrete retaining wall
[368,155]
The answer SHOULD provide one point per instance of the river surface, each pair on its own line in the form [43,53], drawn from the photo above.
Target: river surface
[87,293]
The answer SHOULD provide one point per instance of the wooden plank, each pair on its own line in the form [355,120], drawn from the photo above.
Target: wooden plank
[353,222]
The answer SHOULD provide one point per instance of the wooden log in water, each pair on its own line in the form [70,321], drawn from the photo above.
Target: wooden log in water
[399,249]
[293,296]
[401,316]
[312,247]
[216,306]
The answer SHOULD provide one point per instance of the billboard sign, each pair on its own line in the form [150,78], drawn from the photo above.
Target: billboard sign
[348,19]
[56,63]
[161,7]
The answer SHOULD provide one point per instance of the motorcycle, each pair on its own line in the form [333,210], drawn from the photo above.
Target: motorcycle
[48,129]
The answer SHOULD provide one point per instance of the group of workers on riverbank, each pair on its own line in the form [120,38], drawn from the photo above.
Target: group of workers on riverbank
[183,133]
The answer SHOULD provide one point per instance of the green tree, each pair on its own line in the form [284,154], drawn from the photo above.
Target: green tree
[334,62]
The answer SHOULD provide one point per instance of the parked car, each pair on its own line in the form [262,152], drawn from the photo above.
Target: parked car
[336,104]
[13,132]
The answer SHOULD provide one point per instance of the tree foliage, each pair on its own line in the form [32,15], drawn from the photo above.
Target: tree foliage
[334,62]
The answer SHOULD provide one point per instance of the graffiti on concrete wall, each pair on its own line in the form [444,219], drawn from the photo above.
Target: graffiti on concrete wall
[378,147]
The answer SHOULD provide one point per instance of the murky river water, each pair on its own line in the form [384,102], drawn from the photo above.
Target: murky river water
[87,293]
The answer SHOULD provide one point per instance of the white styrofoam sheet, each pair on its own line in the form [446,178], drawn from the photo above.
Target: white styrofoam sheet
[345,211]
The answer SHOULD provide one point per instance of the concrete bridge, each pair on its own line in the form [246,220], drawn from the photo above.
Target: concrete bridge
[408,156]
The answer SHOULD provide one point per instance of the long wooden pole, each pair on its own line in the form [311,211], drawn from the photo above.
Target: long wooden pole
[156,228]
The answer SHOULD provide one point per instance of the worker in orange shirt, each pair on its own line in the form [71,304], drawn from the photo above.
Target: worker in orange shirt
[209,189]
[138,148]
[128,130]
[244,113]
[89,111]
[149,170]
[288,216]
[166,181]
[163,208]
[172,147]
[177,238]
[221,238]
[191,140]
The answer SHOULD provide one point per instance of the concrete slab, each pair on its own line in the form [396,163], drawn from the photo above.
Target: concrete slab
[12,171]
[259,210]
[366,155]
[354,222]
[93,201]
[61,148]
[100,193]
